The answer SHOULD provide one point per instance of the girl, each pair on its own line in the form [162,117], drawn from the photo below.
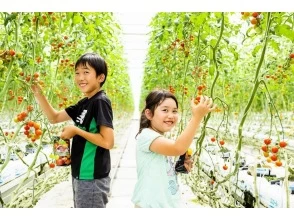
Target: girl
[157,184]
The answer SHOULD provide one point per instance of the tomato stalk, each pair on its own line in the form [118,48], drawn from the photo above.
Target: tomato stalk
[30,169]
[286,182]
[7,159]
[275,108]
[8,78]
[203,131]
[183,95]
[214,56]
[253,93]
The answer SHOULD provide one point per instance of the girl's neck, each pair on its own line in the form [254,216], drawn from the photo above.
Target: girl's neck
[156,130]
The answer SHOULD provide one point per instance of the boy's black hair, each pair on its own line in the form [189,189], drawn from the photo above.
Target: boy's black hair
[96,62]
[152,101]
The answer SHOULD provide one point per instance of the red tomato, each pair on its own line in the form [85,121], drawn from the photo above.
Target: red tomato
[197,100]
[267,141]
[264,148]
[274,157]
[213,139]
[26,127]
[253,21]
[275,149]
[225,167]
[254,14]
[30,108]
[38,132]
[200,87]
[30,123]
[11,52]
[283,144]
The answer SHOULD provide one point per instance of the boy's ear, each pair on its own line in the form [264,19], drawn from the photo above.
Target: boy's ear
[148,114]
[101,77]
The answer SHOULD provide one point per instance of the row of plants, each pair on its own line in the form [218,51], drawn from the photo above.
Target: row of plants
[43,47]
[244,61]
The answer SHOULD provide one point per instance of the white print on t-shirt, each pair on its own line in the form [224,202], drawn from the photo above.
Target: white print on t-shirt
[81,118]
[170,167]
[172,183]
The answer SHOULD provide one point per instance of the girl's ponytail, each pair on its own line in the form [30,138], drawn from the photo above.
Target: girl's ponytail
[144,122]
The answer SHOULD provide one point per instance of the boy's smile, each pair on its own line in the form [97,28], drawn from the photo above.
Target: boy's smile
[87,80]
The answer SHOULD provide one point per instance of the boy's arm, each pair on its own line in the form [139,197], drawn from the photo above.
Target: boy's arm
[103,139]
[52,115]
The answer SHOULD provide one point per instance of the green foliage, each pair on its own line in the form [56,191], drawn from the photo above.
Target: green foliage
[181,43]
[49,44]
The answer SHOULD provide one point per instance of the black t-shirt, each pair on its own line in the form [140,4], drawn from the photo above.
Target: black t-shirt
[89,161]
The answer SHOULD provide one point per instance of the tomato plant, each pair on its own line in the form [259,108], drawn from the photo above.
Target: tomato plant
[243,62]
[43,47]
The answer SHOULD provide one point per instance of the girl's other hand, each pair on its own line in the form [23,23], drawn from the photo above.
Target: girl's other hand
[188,163]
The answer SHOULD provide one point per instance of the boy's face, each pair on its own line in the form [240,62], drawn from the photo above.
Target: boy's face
[86,80]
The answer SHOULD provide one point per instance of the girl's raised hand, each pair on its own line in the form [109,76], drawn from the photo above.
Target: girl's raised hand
[204,106]
[36,88]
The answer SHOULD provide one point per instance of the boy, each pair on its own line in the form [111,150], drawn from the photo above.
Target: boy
[92,133]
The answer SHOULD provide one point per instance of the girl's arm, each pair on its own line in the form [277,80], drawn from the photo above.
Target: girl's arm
[168,147]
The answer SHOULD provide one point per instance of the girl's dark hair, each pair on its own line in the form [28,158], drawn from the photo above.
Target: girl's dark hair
[152,101]
[96,62]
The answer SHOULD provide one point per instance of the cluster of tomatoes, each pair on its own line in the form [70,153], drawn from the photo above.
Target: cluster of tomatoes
[64,63]
[8,134]
[6,55]
[280,73]
[199,72]
[28,77]
[221,143]
[44,19]
[254,17]
[200,89]
[182,45]
[272,152]
[172,89]
[64,101]
[32,130]
[23,115]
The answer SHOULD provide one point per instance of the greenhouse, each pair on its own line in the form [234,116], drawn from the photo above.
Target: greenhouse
[242,151]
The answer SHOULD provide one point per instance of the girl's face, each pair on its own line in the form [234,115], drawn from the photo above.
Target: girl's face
[87,81]
[165,116]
